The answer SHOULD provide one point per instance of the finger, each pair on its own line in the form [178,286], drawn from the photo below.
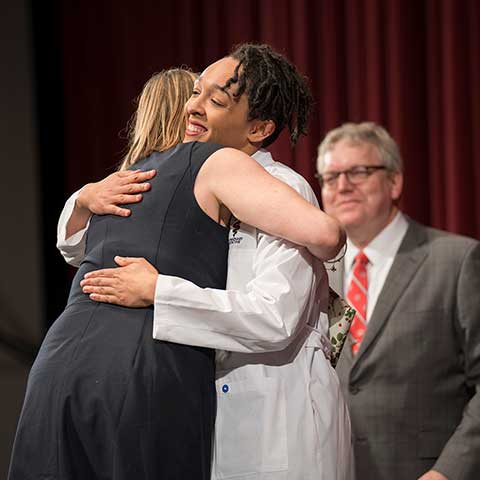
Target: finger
[124,261]
[127,173]
[104,298]
[124,173]
[123,199]
[118,211]
[98,290]
[104,272]
[121,261]
[96,281]
[138,176]
[146,175]
[133,188]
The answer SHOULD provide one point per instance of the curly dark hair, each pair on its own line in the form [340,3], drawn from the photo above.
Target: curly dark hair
[274,87]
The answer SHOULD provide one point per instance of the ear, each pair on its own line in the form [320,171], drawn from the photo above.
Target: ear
[396,179]
[260,130]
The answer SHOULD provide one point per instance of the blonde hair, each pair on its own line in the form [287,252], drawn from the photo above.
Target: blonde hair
[368,132]
[159,121]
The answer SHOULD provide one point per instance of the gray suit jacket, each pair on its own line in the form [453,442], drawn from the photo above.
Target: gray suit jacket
[413,388]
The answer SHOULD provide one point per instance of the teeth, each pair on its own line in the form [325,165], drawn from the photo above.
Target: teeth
[195,128]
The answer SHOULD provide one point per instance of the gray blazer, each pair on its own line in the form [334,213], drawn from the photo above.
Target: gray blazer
[413,388]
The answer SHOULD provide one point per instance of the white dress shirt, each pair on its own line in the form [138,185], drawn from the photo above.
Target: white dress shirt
[381,252]
[281,415]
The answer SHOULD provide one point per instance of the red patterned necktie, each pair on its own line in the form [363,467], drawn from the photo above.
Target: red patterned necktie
[357,298]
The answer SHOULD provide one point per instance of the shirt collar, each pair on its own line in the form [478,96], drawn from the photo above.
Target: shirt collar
[263,157]
[383,247]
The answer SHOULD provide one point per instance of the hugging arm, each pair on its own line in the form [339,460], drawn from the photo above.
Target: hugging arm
[264,316]
[103,197]
[237,181]
[259,199]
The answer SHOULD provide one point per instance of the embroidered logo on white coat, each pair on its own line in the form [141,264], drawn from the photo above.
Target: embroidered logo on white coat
[234,229]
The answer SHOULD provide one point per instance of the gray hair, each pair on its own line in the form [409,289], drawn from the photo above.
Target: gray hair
[368,132]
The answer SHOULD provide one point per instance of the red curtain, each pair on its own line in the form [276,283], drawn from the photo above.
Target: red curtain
[412,66]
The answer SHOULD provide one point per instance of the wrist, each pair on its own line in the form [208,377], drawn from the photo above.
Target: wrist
[81,202]
[149,297]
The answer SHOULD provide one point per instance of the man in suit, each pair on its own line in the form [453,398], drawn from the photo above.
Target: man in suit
[410,369]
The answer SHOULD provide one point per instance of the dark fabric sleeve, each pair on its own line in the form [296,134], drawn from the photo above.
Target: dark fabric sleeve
[199,153]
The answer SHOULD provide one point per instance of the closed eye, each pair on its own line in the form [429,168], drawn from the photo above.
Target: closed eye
[217,103]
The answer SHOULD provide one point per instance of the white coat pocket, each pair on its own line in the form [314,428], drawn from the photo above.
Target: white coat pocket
[251,428]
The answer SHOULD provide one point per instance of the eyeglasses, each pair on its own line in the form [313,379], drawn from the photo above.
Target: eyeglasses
[355,175]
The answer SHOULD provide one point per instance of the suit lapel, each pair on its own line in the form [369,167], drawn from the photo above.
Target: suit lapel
[407,261]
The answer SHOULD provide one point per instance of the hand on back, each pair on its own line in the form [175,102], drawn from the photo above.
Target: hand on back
[119,188]
[131,284]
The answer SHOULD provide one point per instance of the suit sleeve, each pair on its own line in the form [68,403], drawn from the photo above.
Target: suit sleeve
[460,458]
[263,316]
[72,248]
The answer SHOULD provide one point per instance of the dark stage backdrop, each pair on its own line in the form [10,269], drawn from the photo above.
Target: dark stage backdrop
[412,66]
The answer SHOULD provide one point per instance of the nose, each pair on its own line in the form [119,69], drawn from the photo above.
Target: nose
[194,106]
[343,184]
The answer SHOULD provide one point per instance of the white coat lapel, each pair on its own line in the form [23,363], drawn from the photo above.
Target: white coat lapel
[335,277]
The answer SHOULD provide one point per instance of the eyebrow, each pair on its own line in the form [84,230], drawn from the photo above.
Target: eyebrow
[216,86]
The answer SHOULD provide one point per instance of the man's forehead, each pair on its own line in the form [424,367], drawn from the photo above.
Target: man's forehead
[219,72]
[225,64]
[351,151]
